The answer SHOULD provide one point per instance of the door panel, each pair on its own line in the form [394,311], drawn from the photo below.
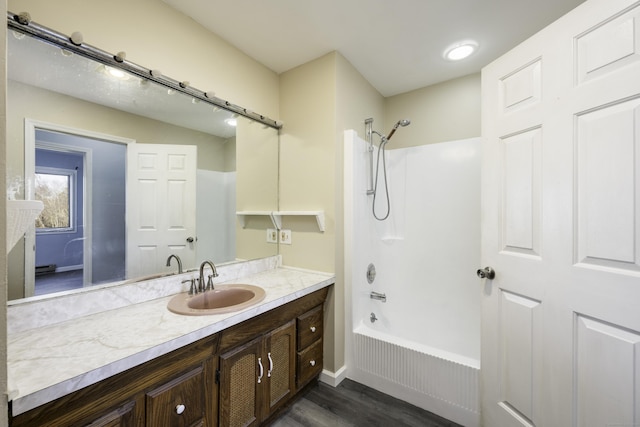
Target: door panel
[521,192]
[161,206]
[561,223]
[518,316]
[605,396]
[607,143]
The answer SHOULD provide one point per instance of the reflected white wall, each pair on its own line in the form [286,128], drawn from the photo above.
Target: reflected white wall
[215,216]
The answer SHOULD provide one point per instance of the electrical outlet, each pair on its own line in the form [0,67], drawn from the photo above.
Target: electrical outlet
[272,235]
[285,237]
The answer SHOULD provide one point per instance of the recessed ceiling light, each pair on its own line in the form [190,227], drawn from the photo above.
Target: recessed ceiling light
[460,50]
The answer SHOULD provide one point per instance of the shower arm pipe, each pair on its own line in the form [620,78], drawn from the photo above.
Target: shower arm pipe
[17,22]
[368,128]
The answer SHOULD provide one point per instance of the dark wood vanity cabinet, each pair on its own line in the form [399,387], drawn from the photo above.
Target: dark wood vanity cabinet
[257,378]
[260,370]
[177,389]
[241,376]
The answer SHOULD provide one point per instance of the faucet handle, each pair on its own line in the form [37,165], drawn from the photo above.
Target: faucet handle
[209,283]
[192,288]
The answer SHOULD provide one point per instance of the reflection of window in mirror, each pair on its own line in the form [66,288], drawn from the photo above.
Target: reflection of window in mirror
[54,187]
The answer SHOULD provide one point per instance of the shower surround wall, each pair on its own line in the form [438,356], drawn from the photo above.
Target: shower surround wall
[424,346]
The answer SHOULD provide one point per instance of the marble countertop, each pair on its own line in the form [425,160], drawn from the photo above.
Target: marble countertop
[51,361]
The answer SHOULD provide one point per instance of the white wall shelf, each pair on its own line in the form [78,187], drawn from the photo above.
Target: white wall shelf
[242,216]
[276,217]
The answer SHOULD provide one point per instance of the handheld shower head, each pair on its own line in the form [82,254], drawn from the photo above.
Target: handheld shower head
[401,122]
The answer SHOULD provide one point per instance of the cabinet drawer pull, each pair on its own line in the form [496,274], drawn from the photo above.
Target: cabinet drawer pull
[312,362]
[180,409]
[270,365]
[261,370]
[313,328]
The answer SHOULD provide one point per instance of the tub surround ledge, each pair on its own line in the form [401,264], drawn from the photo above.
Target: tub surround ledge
[48,362]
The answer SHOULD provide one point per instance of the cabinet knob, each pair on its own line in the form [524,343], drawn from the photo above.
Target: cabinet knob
[313,328]
[312,363]
[180,409]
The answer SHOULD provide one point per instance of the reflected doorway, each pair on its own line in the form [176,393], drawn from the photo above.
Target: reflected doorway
[59,183]
[91,170]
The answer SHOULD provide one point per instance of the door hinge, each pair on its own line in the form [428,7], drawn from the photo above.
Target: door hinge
[217,376]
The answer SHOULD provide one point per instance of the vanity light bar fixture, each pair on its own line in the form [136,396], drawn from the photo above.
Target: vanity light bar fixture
[22,23]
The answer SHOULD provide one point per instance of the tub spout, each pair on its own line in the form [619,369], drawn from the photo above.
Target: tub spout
[378,296]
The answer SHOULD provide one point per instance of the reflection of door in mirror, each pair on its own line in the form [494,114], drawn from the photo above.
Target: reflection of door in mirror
[161,206]
[74,256]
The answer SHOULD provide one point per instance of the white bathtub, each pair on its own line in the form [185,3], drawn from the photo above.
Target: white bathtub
[441,382]
[424,347]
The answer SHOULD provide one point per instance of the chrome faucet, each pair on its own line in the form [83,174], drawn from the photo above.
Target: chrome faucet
[177,259]
[214,273]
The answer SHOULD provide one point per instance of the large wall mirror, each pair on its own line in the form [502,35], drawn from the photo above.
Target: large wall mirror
[130,172]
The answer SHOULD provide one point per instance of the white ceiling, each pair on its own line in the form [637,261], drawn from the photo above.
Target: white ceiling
[397,45]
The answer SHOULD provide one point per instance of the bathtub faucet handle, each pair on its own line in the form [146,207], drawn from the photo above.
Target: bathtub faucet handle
[378,296]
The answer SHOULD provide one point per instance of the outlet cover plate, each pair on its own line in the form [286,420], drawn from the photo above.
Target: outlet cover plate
[285,237]
[272,235]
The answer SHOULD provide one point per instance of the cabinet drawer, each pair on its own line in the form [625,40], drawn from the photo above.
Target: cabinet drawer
[309,363]
[178,402]
[309,327]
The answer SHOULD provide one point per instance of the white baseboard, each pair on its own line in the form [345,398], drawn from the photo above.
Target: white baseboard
[69,268]
[333,378]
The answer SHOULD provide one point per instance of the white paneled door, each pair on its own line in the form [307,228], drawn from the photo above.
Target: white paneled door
[561,224]
[161,206]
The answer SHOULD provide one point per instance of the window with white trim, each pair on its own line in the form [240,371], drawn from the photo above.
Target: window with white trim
[56,189]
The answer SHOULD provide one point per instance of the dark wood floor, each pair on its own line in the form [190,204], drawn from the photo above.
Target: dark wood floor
[353,404]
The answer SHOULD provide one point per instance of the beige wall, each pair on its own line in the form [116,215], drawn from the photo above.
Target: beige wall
[3,233]
[256,187]
[444,112]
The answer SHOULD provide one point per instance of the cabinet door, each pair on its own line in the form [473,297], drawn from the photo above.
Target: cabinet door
[242,374]
[180,402]
[281,353]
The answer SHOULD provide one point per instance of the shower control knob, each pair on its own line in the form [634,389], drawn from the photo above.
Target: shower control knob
[486,273]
